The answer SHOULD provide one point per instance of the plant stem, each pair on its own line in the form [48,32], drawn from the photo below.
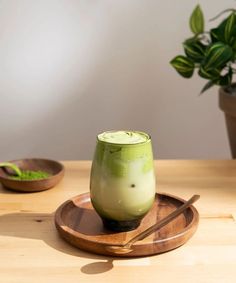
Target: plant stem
[220,14]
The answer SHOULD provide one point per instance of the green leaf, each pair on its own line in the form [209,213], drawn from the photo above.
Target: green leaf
[217,34]
[207,86]
[195,50]
[226,30]
[183,65]
[217,56]
[210,75]
[234,48]
[230,29]
[196,21]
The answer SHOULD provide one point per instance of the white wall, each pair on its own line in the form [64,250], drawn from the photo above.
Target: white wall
[70,69]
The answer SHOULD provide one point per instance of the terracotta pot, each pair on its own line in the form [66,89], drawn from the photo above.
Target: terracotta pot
[227,104]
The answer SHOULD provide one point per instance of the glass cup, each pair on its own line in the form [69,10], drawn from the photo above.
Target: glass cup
[122,181]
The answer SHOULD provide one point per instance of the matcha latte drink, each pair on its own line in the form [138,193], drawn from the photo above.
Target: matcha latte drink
[122,183]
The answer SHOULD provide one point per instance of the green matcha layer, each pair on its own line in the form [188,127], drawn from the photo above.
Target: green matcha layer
[115,158]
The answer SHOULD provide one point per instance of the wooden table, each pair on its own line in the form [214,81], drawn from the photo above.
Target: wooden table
[31,250]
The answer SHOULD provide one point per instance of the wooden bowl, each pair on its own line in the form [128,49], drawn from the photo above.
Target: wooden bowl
[54,168]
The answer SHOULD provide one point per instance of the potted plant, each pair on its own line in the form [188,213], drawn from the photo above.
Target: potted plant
[213,54]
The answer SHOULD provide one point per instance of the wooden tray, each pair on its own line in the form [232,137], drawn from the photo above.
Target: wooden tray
[79,224]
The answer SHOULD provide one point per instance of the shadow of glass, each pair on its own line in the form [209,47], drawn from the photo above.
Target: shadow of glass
[40,226]
[97,267]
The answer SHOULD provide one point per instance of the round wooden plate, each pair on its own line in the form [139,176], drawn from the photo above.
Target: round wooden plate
[79,224]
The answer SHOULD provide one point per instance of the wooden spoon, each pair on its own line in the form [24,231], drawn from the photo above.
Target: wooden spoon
[127,247]
[12,166]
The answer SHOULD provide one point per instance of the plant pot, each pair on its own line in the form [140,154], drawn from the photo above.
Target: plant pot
[227,104]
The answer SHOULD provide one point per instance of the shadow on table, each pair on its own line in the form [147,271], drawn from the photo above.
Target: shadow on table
[40,226]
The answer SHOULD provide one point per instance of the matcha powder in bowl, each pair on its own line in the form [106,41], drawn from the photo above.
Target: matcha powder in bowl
[31,174]
[24,175]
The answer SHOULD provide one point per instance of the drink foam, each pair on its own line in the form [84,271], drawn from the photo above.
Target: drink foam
[123,137]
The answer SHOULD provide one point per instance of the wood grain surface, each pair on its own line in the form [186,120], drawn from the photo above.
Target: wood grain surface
[33,252]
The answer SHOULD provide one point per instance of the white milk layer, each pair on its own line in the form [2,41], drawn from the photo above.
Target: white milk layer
[130,195]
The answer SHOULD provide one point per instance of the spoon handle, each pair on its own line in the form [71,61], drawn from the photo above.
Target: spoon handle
[12,166]
[163,221]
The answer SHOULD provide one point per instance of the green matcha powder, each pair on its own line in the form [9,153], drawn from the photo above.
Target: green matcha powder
[25,175]
[31,175]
